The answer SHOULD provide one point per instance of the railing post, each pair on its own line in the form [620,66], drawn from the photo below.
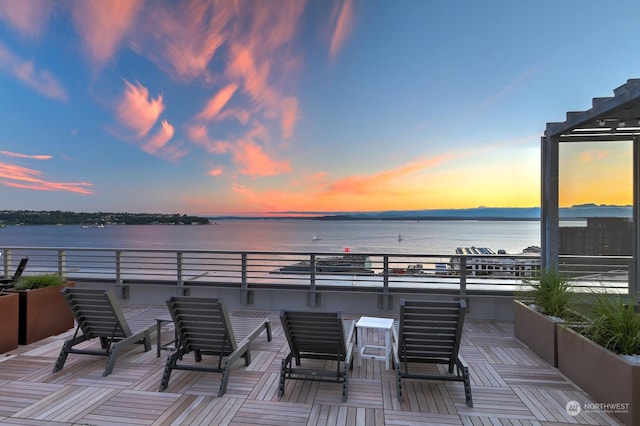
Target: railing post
[246,295]
[463,280]
[62,261]
[123,289]
[118,267]
[385,300]
[314,299]
[6,261]
[182,290]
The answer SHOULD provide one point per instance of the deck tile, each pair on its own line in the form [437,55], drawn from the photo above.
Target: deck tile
[511,386]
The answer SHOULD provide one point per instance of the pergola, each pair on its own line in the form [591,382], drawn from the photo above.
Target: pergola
[610,119]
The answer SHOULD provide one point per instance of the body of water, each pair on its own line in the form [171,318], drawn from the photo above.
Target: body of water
[393,237]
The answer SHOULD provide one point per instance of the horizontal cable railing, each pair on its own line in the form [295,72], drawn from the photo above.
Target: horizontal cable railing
[311,270]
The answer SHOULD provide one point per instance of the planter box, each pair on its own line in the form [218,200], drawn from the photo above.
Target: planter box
[9,321]
[609,378]
[43,312]
[537,331]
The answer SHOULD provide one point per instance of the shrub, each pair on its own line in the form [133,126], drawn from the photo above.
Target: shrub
[614,324]
[30,282]
[550,292]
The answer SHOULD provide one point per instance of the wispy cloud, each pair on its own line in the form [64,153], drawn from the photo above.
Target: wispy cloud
[248,156]
[593,155]
[28,17]
[26,178]
[160,139]
[271,200]
[103,25]
[217,102]
[218,171]
[137,111]
[200,136]
[253,161]
[183,37]
[42,81]
[342,20]
[512,85]
[377,182]
[318,190]
[31,157]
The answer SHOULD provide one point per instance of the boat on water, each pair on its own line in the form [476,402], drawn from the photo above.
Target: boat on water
[355,264]
[315,238]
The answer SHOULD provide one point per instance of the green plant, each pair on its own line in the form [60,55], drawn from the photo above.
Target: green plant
[550,291]
[614,325]
[30,282]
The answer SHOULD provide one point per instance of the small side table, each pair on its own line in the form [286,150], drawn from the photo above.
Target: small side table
[365,323]
[159,345]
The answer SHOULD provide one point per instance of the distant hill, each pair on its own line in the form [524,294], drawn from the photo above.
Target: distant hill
[478,213]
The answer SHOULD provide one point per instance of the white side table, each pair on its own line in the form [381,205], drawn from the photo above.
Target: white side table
[365,323]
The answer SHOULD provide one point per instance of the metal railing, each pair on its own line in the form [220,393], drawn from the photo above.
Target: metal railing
[311,271]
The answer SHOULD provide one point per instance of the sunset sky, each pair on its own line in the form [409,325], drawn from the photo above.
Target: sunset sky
[257,106]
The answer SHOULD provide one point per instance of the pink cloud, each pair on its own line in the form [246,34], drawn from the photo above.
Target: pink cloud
[254,76]
[199,135]
[216,172]
[22,177]
[160,139]
[217,102]
[593,155]
[249,157]
[41,81]
[28,17]
[104,24]
[183,37]
[32,157]
[343,17]
[289,108]
[241,115]
[253,161]
[172,152]
[136,111]
[260,57]
[369,184]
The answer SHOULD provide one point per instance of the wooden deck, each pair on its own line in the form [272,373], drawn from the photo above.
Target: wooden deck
[511,385]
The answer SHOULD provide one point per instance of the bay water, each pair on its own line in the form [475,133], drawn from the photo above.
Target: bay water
[290,235]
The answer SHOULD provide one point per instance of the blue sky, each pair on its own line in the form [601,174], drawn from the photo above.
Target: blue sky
[211,107]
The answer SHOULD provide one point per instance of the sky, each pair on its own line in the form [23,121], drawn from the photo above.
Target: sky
[265,106]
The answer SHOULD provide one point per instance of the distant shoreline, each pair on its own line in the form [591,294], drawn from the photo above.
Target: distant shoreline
[486,214]
[386,219]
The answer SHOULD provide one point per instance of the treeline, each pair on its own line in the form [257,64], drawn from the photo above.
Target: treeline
[57,217]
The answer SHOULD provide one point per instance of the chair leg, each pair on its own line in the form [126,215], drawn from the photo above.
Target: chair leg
[62,358]
[399,383]
[147,341]
[166,375]
[283,374]
[225,378]
[345,383]
[66,349]
[467,387]
[111,360]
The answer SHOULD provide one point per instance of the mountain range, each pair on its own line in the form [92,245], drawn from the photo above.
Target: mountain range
[479,213]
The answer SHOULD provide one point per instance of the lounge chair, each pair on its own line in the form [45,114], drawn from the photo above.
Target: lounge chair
[98,314]
[430,332]
[204,327]
[321,336]
[10,282]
